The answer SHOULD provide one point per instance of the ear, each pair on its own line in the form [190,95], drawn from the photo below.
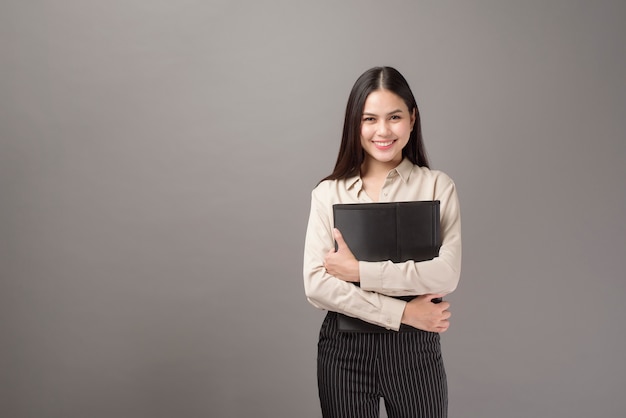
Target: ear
[413,119]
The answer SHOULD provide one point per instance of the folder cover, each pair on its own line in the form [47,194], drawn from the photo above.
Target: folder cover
[395,231]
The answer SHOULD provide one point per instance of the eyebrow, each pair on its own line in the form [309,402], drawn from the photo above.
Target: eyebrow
[390,113]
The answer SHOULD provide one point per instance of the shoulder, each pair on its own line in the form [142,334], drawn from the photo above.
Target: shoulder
[436,177]
[324,187]
[335,188]
[325,191]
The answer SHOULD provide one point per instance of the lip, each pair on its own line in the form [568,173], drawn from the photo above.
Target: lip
[378,144]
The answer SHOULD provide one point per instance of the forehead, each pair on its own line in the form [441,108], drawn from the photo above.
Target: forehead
[382,101]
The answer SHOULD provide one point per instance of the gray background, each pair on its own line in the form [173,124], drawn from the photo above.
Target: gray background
[156,162]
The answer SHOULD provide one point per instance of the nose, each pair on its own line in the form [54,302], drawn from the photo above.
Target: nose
[383,128]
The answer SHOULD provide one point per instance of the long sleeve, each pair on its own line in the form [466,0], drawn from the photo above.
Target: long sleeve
[327,292]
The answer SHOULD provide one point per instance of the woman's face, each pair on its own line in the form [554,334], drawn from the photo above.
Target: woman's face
[385,126]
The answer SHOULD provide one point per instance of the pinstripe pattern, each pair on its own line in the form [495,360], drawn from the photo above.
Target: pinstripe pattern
[355,370]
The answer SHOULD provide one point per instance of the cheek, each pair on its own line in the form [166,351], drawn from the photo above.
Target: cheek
[404,130]
[366,131]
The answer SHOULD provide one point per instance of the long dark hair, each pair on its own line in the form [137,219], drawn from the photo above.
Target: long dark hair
[351,153]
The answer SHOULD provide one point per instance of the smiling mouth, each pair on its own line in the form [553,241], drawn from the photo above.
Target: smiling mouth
[383,144]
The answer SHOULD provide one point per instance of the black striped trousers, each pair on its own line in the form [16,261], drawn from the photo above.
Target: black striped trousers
[354,370]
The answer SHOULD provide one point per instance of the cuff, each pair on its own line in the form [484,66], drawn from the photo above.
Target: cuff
[391,313]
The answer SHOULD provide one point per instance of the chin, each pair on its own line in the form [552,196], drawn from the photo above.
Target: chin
[386,158]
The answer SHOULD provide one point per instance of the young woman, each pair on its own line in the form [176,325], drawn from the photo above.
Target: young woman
[381,159]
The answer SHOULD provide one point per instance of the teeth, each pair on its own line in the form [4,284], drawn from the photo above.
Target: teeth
[383,144]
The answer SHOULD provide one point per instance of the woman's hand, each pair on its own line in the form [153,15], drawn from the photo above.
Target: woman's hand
[423,314]
[341,263]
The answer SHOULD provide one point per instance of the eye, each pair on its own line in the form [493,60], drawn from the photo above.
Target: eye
[395,117]
[368,119]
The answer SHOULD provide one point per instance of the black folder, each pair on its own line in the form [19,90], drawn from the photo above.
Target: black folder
[395,231]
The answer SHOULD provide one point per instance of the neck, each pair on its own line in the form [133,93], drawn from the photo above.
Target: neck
[374,168]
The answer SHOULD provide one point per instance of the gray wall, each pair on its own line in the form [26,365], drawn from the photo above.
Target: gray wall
[156,160]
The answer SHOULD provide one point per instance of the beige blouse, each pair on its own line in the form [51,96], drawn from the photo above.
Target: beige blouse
[372,301]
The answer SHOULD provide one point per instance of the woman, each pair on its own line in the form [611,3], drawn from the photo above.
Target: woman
[381,159]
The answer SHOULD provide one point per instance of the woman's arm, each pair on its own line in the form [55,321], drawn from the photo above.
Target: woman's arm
[324,290]
[420,313]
